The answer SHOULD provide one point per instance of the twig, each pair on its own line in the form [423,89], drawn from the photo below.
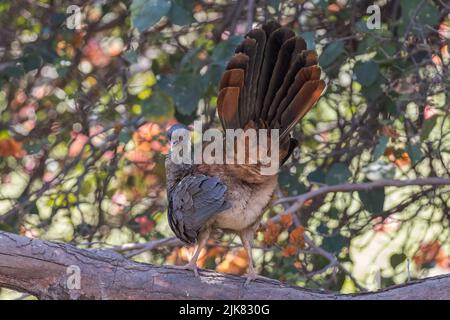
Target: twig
[138,248]
[250,14]
[350,187]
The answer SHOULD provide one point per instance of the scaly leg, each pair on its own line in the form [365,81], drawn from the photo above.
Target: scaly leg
[247,239]
[192,264]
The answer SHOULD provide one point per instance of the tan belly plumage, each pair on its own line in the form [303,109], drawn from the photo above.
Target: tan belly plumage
[248,206]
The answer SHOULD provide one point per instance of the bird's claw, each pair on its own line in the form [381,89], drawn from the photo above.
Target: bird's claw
[251,276]
[188,266]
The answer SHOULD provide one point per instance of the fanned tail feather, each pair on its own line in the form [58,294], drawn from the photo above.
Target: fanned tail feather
[272,79]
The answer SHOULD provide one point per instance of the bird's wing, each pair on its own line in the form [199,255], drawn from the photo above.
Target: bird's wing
[272,79]
[195,199]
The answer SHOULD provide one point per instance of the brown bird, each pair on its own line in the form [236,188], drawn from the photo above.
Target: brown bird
[271,82]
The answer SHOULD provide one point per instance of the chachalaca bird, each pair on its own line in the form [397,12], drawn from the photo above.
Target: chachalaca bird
[271,82]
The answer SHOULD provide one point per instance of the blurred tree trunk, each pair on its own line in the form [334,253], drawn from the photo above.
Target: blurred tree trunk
[48,269]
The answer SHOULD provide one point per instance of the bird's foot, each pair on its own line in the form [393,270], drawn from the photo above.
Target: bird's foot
[251,276]
[188,266]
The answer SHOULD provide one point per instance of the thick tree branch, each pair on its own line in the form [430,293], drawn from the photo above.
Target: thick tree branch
[41,267]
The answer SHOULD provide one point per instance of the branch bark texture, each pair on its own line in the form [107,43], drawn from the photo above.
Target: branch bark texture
[44,268]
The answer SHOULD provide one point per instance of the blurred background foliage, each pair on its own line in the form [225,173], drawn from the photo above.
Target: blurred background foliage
[88,88]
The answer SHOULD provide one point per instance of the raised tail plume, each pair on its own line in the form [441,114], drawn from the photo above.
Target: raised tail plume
[271,79]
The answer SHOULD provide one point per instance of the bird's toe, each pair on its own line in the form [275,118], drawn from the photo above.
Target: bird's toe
[188,266]
[252,276]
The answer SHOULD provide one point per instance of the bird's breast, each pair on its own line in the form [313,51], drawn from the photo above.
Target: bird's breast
[248,204]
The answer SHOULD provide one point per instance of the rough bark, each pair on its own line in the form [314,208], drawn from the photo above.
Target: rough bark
[41,268]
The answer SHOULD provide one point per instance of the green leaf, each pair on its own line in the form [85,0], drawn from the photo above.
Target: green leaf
[361,26]
[31,62]
[366,72]
[396,259]
[213,75]
[331,52]
[224,50]
[145,13]
[6,227]
[366,44]
[422,11]
[34,146]
[131,56]
[414,152]
[310,39]
[373,91]
[124,136]
[427,127]
[322,228]
[57,19]
[189,93]
[337,174]
[190,60]
[373,200]
[180,12]
[316,176]
[334,213]
[33,209]
[86,187]
[158,106]
[185,90]
[335,243]
[291,182]
[15,71]
[380,147]
[275,4]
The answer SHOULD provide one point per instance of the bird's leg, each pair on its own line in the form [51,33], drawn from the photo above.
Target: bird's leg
[192,264]
[247,239]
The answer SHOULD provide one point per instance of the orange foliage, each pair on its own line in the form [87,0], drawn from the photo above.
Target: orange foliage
[289,250]
[180,256]
[296,241]
[235,262]
[388,224]
[444,51]
[389,132]
[271,233]
[444,31]
[334,8]
[145,224]
[28,232]
[429,112]
[286,220]
[399,157]
[297,238]
[436,60]
[211,252]
[429,253]
[95,54]
[10,147]
[77,146]
[146,140]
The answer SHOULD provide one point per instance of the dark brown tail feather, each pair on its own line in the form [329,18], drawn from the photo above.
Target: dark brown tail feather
[279,82]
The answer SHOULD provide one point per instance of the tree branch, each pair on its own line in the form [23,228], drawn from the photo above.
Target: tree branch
[41,267]
[350,187]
